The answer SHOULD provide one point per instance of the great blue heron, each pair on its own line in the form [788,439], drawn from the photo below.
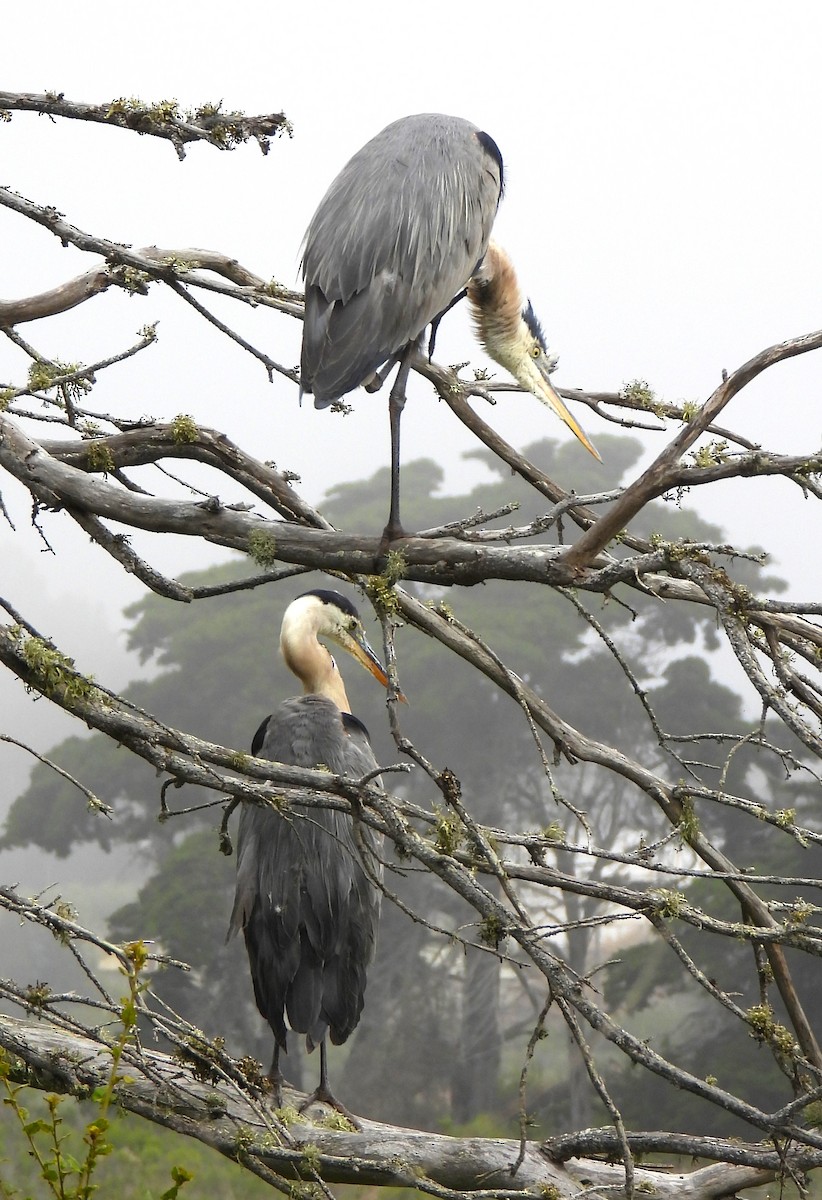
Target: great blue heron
[305,903]
[402,231]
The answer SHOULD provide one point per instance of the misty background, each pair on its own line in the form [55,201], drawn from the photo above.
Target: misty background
[661,207]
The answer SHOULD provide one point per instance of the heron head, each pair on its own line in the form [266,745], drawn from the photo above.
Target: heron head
[330,615]
[511,334]
[350,634]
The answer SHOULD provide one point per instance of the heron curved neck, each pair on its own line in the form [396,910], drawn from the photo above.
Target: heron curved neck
[495,298]
[311,662]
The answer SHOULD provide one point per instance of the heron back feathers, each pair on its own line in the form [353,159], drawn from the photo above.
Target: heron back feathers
[397,235]
[304,901]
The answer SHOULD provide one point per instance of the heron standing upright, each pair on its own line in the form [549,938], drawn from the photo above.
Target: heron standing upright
[400,235]
[306,900]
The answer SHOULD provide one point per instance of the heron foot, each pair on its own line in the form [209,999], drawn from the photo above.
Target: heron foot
[276,1081]
[323,1095]
[393,532]
[374,382]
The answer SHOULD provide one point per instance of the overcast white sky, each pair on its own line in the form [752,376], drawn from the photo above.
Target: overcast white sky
[662,206]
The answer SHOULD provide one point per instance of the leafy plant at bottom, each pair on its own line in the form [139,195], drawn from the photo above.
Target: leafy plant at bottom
[66,1169]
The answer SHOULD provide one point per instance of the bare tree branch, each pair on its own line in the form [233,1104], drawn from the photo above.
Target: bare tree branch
[165,119]
[512,878]
[661,474]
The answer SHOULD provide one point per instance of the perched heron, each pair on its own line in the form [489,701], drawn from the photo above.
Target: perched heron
[307,905]
[399,236]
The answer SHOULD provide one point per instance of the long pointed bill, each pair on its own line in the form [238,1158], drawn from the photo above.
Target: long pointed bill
[357,645]
[544,390]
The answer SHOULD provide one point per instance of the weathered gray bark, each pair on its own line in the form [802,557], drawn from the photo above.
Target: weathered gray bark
[244,1127]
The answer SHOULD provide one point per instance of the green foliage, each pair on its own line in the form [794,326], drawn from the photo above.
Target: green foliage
[491,931]
[202,1056]
[68,1160]
[37,995]
[134,280]
[813,1114]
[448,832]
[179,1177]
[765,1028]
[184,428]
[668,903]
[145,1158]
[100,458]
[262,546]
[689,823]
[381,587]
[711,454]
[640,392]
[554,832]
[161,112]
[53,671]
[68,913]
[338,1122]
[43,376]
[311,1158]
[225,129]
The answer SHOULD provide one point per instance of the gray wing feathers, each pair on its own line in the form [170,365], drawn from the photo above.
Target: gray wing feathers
[307,908]
[399,232]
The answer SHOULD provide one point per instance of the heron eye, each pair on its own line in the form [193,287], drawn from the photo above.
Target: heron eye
[537,350]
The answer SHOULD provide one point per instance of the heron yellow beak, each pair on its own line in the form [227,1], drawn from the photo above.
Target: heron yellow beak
[536,378]
[358,646]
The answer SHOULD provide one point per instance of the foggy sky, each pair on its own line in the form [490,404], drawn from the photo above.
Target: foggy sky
[662,207]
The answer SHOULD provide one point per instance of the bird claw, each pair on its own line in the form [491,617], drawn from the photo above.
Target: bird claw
[392,533]
[276,1081]
[323,1095]
[375,381]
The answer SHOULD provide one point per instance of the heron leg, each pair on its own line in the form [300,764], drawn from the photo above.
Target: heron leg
[435,324]
[324,1094]
[375,381]
[275,1076]
[396,403]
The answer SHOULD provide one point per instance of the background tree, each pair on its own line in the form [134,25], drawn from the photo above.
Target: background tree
[618,773]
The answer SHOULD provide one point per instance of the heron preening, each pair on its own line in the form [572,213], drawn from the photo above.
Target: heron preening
[401,234]
[307,900]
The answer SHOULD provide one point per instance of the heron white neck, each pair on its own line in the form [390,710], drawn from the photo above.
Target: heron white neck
[309,660]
